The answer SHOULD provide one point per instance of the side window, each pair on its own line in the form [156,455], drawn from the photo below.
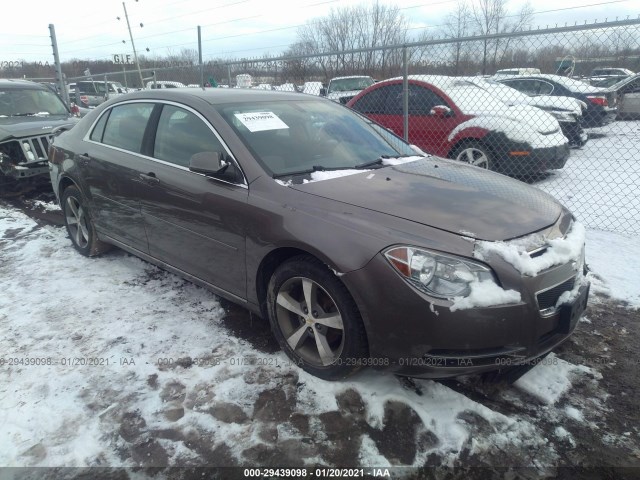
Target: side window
[528,86]
[181,134]
[393,102]
[98,130]
[422,100]
[372,102]
[545,88]
[126,125]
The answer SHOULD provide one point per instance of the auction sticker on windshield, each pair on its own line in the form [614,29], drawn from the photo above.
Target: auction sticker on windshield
[261,121]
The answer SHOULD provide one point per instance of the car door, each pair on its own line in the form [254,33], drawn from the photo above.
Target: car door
[108,166]
[630,98]
[426,129]
[194,223]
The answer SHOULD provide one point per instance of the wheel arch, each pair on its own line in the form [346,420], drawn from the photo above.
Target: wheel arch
[277,257]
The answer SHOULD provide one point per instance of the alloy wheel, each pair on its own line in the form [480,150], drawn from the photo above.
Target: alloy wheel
[310,321]
[474,156]
[77,222]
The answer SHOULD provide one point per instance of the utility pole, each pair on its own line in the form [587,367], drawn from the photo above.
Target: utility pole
[135,54]
[56,59]
[200,57]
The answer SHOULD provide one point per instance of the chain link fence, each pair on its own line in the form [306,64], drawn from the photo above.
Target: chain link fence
[554,108]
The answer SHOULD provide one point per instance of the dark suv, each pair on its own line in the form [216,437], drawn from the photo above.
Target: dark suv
[29,113]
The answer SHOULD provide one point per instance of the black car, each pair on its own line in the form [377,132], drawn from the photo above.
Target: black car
[29,113]
[601,103]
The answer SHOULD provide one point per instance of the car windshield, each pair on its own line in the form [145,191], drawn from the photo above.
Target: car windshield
[27,102]
[347,84]
[293,136]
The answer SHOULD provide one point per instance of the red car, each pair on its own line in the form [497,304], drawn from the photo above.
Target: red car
[451,117]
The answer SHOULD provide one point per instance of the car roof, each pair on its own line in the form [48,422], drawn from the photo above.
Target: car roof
[351,76]
[19,83]
[216,96]
[440,81]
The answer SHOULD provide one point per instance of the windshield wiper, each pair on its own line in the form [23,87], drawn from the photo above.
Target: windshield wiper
[379,162]
[315,168]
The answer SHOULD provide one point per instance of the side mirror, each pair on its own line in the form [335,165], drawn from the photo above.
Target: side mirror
[441,111]
[323,92]
[208,163]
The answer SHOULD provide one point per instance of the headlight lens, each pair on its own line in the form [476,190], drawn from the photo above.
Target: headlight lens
[436,274]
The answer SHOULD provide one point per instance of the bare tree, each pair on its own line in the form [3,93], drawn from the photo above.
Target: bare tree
[351,28]
[492,17]
[458,26]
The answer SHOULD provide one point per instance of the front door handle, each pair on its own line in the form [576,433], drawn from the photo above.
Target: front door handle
[149,178]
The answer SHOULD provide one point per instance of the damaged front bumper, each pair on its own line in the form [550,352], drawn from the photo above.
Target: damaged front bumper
[23,170]
[24,158]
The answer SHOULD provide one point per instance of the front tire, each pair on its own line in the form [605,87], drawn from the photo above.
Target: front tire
[79,223]
[474,153]
[315,320]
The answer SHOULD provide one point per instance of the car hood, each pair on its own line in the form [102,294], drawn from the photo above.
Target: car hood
[347,93]
[530,116]
[446,195]
[19,127]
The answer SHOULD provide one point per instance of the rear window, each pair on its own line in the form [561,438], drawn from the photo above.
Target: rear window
[126,125]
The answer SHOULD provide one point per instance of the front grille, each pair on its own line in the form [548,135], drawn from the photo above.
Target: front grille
[37,146]
[547,299]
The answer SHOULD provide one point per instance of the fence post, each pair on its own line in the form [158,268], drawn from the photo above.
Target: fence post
[229,74]
[405,94]
[200,57]
[56,59]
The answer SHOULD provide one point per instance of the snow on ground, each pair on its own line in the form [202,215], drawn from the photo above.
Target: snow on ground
[113,329]
[614,257]
[551,378]
[600,183]
[95,347]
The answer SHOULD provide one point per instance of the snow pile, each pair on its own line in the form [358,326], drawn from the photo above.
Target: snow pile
[558,252]
[485,293]
[552,378]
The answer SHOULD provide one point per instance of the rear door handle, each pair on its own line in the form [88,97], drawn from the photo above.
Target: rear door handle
[149,178]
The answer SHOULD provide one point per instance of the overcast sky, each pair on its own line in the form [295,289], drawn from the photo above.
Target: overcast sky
[230,28]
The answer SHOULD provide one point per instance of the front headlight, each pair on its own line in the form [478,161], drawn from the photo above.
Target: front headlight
[437,274]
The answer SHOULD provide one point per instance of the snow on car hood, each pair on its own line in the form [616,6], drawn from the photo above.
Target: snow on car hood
[447,195]
[520,123]
[532,118]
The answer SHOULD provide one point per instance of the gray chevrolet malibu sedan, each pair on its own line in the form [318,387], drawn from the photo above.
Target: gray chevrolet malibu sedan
[358,250]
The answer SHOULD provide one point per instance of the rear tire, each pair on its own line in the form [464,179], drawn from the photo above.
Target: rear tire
[315,320]
[79,223]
